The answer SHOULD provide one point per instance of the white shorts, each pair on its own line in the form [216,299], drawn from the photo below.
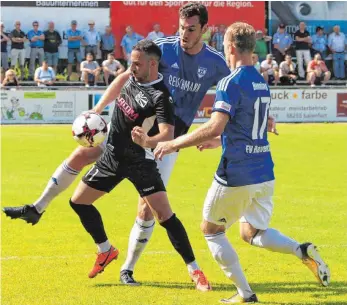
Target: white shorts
[250,203]
[165,166]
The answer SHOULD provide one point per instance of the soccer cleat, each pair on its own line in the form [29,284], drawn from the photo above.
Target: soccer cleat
[312,259]
[102,260]
[200,280]
[237,299]
[25,212]
[126,278]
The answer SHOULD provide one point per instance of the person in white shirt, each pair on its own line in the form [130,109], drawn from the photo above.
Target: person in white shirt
[256,63]
[90,70]
[287,71]
[44,75]
[112,68]
[337,45]
[269,70]
[155,34]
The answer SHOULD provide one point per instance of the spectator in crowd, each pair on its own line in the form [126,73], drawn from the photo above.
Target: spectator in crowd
[317,71]
[108,43]
[112,68]
[256,63]
[4,40]
[129,40]
[267,39]
[269,70]
[36,38]
[319,42]
[44,75]
[218,38]
[74,38]
[155,34]
[287,71]
[51,46]
[92,39]
[90,70]
[302,47]
[282,42]
[206,37]
[337,45]
[17,37]
[260,46]
[10,79]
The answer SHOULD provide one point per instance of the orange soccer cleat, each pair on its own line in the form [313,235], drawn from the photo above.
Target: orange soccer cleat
[200,280]
[102,260]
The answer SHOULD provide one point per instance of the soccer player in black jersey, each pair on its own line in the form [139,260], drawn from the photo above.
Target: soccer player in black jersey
[143,102]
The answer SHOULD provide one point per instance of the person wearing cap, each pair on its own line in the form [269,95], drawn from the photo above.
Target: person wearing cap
[269,70]
[129,40]
[36,38]
[92,39]
[282,42]
[260,45]
[4,40]
[51,45]
[337,44]
[18,38]
[302,48]
[74,38]
[319,42]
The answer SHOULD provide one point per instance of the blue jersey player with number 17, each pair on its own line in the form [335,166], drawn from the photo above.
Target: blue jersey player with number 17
[243,185]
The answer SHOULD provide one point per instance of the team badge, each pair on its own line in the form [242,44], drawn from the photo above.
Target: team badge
[141,99]
[201,72]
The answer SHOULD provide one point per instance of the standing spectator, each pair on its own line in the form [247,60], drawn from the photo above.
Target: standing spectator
[4,40]
[129,40]
[287,71]
[319,42]
[90,70]
[17,48]
[92,39]
[317,71]
[36,38]
[218,39]
[337,44]
[260,46]
[282,42]
[44,75]
[10,79]
[112,68]
[302,46]
[206,37]
[51,45]
[108,43]
[269,70]
[74,38]
[155,34]
[255,61]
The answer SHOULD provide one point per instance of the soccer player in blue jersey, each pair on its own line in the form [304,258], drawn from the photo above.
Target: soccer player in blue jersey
[190,68]
[244,181]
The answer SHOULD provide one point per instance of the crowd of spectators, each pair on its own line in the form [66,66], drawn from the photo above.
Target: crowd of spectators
[272,55]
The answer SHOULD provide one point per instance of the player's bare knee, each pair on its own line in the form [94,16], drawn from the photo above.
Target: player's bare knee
[143,211]
[208,228]
[247,232]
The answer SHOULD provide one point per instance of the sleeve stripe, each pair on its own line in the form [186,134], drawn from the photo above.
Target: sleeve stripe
[215,52]
[223,84]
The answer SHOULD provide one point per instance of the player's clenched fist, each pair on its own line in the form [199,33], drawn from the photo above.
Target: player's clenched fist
[139,136]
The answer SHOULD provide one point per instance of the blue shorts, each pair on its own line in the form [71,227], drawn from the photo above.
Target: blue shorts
[72,54]
[52,58]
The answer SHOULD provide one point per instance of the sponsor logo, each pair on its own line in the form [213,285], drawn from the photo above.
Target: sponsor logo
[142,241]
[148,189]
[141,99]
[127,109]
[255,149]
[222,220]
[341,105]
[175,66]
[183,84]
[260,86]
[303,95]
[202,72]
[222,105]
[55,181]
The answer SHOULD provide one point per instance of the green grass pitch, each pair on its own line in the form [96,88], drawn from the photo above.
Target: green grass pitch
[48,263]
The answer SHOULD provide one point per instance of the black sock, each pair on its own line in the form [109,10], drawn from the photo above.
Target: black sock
[179,238]
[91,221]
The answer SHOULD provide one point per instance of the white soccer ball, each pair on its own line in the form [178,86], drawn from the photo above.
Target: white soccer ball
[89,129]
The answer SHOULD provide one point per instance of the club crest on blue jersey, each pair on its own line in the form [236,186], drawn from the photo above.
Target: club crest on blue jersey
[201,72]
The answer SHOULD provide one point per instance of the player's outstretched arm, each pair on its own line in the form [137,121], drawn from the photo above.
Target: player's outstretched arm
[112,92]
[210,130]
[210,144]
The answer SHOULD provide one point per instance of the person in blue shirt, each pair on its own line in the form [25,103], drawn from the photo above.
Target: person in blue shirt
[108,43]
[243,184]
[74,38]
[282,43]
[319,43]
[190,68]
[36,38]
[129,40]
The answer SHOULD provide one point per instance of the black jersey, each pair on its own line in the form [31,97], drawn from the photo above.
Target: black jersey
[138,105]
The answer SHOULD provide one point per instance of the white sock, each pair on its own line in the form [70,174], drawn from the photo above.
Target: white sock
[274,240]
[223,252]
[103,247]
[192,267]
[138,239]
[61,179]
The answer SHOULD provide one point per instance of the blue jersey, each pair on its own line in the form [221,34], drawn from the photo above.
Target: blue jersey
[246,159]
[189,77]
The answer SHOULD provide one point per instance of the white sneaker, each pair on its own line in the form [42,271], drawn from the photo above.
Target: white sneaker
[313,85]
[323,85]
[87,86]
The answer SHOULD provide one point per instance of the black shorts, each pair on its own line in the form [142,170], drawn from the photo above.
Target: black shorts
[109,171]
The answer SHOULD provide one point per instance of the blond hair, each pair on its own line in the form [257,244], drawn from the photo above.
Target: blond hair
[10,71]
[242,36]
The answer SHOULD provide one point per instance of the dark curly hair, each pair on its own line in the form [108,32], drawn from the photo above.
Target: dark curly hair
[194,9]
[148,47]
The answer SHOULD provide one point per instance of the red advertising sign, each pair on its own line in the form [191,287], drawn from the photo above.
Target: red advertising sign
[342,104]
[143,14]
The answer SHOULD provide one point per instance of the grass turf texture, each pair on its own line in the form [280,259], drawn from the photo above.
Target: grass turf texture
[49,263]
